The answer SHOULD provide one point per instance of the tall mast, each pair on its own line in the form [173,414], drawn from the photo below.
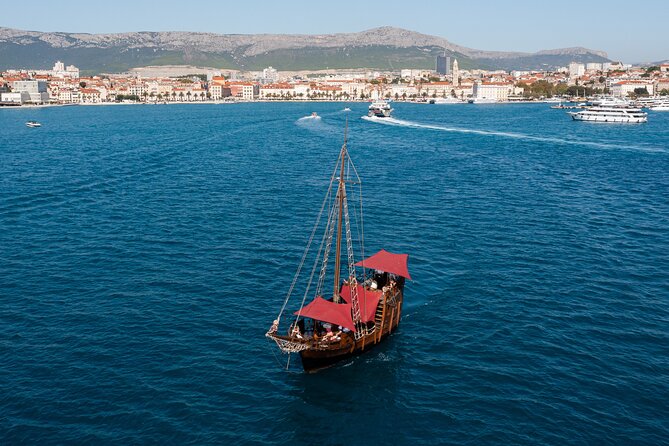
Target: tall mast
[341,194]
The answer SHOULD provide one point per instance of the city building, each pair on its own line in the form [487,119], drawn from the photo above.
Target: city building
[576,69]
[15,97]
[443,64]
[456,73]
[499,91]
[36,89]
[269,75]
[624,88]
[59,70]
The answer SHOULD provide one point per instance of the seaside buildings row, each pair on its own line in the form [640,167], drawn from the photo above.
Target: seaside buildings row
[64,85]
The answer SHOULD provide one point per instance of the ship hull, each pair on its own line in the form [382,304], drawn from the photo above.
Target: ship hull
[318,358]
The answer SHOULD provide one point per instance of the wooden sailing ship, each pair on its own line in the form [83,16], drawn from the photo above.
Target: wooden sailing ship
[361,309]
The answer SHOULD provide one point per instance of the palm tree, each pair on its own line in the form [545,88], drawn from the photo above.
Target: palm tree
[188,94]
[181,96]
[174,95]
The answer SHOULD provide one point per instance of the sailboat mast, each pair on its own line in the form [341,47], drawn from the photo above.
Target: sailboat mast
[341,194]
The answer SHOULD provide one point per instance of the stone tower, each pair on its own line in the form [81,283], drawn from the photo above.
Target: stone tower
[456,73]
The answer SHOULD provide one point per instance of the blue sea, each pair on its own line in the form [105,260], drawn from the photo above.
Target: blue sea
[145,250]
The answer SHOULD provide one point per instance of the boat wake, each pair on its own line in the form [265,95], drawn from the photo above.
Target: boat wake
[417,125]
[310,118]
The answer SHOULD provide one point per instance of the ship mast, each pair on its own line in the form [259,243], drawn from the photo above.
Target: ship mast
[341,195]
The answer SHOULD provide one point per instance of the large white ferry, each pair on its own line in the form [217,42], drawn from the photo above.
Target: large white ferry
[380,109]
[602,113]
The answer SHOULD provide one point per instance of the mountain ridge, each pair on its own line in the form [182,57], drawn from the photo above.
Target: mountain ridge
[385,47]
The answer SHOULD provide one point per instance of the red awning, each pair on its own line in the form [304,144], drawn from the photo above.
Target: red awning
[326,311]
[368,300]
[388,262]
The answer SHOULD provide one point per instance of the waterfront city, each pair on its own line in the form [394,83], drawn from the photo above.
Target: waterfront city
[64,84]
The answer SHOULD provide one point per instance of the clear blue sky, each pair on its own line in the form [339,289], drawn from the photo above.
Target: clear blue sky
[631,31]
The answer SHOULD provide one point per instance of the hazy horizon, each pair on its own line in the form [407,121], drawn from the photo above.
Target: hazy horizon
[492,26]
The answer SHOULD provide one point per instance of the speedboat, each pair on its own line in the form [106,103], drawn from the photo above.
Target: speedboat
[33,124]
[600,113]
[380,109]
[347,109]
[314,115]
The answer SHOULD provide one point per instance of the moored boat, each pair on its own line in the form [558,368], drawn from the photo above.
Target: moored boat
[356,313]
[483,101]
[660,106]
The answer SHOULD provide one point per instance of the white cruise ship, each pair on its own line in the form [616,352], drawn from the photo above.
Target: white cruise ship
[601,113]
[380,109]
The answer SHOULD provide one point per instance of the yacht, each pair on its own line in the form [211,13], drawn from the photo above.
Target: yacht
[380,109]
[33,124]
[660,105]
[647,102]
[602,113]
[610,101]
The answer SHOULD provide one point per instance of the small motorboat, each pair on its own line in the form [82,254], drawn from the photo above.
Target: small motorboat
[347,109]
[314,115]
[33,124]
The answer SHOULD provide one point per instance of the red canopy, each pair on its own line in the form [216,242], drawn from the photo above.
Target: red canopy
[326,311]
[368,300]
[388,262]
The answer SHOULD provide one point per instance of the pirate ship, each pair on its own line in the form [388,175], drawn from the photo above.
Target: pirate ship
[364,305]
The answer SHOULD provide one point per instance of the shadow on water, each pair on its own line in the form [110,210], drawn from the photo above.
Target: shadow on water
[331,406]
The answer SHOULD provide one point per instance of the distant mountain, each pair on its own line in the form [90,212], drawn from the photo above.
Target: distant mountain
[380,48]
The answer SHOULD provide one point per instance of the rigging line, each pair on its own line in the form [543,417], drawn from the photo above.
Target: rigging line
[362,231]
[313,269]
[327,240]
[330,218]
[306,250]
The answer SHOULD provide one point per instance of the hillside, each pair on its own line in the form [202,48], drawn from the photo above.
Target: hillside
[383,48]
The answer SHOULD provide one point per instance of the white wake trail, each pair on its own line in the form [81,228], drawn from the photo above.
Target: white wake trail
[417,125]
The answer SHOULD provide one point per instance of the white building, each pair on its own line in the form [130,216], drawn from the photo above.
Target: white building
[36,89]
[270,75]
[15,98]
[624,88]
[493,90]
[412,73]
[59,70]
[576,69]
[273,91]
[456,73]
[593,66]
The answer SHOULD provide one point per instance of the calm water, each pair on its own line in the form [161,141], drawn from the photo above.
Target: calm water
[145,250]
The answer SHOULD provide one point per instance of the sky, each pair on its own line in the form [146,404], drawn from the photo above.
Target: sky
[628,31]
